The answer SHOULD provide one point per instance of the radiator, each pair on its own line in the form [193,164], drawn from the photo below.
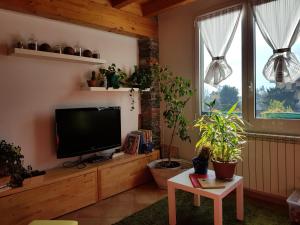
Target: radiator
[271,164]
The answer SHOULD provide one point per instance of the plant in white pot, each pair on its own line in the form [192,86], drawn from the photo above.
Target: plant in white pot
[223,132]
[175,92]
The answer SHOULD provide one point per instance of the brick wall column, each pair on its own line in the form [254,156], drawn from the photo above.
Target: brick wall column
[150,104]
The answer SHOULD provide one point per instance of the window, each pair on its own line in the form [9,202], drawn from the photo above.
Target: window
[230,90]
[267,107]
[271,101]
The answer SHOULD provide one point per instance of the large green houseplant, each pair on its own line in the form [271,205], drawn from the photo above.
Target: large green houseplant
[175,93]
[223,133]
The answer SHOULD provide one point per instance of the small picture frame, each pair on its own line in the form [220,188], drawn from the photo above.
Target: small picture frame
[131,144]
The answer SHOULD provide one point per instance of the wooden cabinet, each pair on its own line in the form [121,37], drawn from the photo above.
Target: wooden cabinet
[115,179]
[64,190]
[49,201]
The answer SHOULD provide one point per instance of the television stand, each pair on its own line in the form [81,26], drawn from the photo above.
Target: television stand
[96,159]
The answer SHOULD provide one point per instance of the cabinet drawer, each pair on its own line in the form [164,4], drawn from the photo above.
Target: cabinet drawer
[113,180]
[49,201]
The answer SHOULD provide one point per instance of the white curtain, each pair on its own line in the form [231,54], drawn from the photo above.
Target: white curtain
[278,21]
[217,31]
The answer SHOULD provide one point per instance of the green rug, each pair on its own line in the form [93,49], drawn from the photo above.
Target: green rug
[256,213]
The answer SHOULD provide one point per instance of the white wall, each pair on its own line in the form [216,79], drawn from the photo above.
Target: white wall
[31,89]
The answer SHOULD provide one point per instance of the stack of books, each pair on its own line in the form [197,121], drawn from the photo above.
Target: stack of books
[138,142]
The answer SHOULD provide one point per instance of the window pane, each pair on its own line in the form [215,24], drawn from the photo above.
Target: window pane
[274,102]
[229,91]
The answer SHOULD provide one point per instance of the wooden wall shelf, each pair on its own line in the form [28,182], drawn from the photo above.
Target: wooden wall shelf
[121,89]
[103,89]
[56,56]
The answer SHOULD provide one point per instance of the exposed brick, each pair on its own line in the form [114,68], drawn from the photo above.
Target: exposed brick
[150,104]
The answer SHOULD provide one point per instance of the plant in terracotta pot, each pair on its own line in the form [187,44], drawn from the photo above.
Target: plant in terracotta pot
[200,162]
[222,132]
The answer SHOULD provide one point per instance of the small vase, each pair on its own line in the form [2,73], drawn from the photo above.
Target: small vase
[200,165]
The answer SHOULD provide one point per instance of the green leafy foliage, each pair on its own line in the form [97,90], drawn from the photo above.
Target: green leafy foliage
[11,163]
[115,76]
[222,133]
[141,78]
[175,92]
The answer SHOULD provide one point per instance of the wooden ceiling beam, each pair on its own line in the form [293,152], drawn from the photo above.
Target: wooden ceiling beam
[121,3]
[88,13]
[154,7]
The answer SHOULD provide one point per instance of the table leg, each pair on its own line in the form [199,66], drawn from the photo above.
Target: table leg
[240,201]
[197,201]
[218,211]
[171,204]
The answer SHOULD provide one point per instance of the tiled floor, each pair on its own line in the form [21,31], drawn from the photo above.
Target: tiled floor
[115,208]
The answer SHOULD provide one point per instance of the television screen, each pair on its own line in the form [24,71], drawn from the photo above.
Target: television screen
[85,130]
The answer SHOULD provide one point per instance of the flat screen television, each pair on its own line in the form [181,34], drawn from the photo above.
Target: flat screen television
[86,130]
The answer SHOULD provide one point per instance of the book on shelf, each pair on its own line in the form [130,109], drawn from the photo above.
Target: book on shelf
[146,144]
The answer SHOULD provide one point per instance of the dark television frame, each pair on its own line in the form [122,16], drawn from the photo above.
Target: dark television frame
[61,155]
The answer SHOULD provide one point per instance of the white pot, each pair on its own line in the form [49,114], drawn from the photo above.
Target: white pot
[161,175]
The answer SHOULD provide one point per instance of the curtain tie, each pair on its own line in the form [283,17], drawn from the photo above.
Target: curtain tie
[281,50]
[218,58]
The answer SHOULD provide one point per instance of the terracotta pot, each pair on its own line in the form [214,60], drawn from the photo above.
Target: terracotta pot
[224,170]
[92,83]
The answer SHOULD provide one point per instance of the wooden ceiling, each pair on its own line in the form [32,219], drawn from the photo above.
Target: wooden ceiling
[130,17]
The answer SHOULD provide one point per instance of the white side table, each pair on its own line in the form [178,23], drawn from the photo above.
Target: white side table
[182,181]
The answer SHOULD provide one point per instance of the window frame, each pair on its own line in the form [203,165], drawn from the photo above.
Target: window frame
[257,125]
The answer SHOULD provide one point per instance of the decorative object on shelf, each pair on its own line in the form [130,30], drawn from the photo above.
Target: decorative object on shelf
[200,162]
[69,50]
[55,56]
[141,78]
[96,54]
[175,92]
[131,144]
[223,134]
[101,80]
[57,49]
[93,81]
[78,50]
[45,47]
[115,76]
[19,44]
[32,44]
[87,53]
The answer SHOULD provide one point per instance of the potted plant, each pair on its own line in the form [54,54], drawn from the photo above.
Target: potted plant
[12,172]
[200,162]
[115,77]
[141,78]
[175,92]
[11,168]
[223,134]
